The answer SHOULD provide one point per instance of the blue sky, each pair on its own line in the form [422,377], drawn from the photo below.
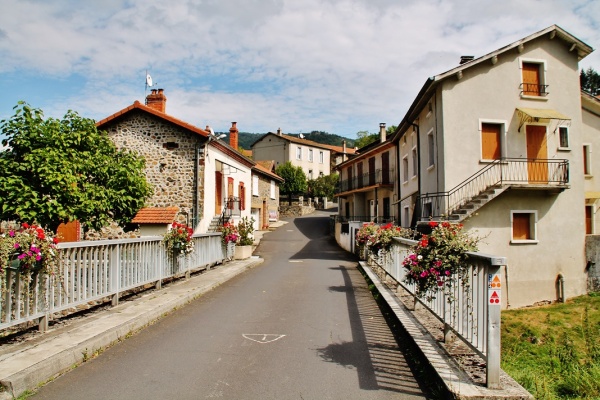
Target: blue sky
[339,66]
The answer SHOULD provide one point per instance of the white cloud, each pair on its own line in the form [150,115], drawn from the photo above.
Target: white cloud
[336,65]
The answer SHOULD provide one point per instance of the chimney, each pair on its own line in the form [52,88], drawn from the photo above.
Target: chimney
[466,59]
[382,132]
[279,131]
[344,156]
[233,135]
[157,100]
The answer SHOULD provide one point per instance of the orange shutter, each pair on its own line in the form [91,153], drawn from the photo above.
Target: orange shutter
[490,141]
[531,79]
[521,226]
[588,220]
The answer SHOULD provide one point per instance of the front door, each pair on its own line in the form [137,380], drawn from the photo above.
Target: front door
[218,192]
[537,154]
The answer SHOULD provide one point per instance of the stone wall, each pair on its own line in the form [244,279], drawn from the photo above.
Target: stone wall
[295,210]
[592,255]
[170,153]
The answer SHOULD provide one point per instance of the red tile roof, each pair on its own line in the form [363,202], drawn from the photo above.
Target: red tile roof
[156,215]
[261,168]
[150,110]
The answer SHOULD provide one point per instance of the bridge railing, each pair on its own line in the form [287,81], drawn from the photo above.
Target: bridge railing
[471,310]
[100,271]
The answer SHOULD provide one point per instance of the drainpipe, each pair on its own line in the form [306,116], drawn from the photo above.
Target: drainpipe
[560,288]
[399,205]
[195,196]
[507,292]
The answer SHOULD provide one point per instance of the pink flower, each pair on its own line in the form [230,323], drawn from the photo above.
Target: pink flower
[17,245]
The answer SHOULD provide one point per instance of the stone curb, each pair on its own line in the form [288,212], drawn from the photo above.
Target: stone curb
[28,367]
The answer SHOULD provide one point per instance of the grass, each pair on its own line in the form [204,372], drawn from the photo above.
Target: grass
[554,351]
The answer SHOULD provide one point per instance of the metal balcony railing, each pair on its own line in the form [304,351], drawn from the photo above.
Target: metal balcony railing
[379,177]
[533,89]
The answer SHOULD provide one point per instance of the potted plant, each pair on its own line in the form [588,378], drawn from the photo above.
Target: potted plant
[243,247]
[178,240]
[229,237]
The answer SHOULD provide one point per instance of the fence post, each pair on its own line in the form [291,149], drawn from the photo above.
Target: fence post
[115,261]
[494,305]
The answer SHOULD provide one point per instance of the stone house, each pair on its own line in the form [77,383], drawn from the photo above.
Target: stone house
[188,167]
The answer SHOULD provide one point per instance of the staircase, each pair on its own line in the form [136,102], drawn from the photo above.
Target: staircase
[215,224]
[471,206]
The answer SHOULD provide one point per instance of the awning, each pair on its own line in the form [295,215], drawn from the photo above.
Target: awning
[536,114]
[592,195]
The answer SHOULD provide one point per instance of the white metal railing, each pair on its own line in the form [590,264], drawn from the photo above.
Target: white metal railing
[97,270]
[470,311]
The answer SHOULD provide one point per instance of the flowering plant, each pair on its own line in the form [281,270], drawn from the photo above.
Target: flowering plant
[382,239]
[229,233]
[440,258]
[245,230]
[29,248]
[178,239]
[365,232]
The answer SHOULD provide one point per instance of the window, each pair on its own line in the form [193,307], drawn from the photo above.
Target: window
[406,221]
[254,185]
[587,159]
[321,173]
[405,168]
[386,208]
[430,148]
[272,189]
[524,226]
[533,83]
[490,141]
[310,155]
[321,157]
[310,174]
[242,194]
[563,137]
[298,153]
[415,162]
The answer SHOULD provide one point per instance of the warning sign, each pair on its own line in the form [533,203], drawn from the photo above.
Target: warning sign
[494,297]
[494,288]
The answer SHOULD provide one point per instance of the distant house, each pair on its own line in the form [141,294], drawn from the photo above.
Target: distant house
[590,113]
[188,168]
[265,194]
[314,158]
[155,221]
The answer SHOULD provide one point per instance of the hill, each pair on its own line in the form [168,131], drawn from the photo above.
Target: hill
[246,139]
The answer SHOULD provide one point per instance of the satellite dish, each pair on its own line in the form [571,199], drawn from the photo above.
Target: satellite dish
[148,80]
[301,136]
[210,130]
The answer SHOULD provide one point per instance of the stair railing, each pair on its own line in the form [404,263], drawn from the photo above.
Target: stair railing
[499,172]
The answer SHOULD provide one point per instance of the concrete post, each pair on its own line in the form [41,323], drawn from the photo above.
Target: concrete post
[115,275]
[494,305]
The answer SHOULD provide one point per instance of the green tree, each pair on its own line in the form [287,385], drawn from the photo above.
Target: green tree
[590,81]
[55,171]
[323,186]
[295,180]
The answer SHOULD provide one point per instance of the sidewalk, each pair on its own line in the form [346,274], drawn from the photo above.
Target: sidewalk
[32,362]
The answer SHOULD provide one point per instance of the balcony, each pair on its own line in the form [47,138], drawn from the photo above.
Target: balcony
[366,182]
[533,89]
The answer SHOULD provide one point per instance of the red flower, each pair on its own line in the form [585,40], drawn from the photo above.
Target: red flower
[446,224]
[433,224]
[25,225]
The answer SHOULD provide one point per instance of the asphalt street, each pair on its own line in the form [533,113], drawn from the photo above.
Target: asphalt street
[302,325]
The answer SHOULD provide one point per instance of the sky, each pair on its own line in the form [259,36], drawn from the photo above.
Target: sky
[339,66]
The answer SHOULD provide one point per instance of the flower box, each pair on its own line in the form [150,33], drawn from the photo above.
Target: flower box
[242,252]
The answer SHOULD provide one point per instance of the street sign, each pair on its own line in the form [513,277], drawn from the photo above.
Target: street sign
[494,289]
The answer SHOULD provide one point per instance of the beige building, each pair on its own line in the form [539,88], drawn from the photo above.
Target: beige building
[265,194]
[590,115]
[368,182]
[314,158]
[495,143]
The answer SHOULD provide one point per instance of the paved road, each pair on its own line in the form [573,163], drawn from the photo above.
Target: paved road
[302,325]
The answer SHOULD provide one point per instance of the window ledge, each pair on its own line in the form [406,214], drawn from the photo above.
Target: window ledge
[405,183]
[524,241]
[539,98]
[431,167]
[588,176]
[563,149]
[414,177]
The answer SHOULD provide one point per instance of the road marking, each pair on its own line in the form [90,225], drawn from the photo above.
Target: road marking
[262,337]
